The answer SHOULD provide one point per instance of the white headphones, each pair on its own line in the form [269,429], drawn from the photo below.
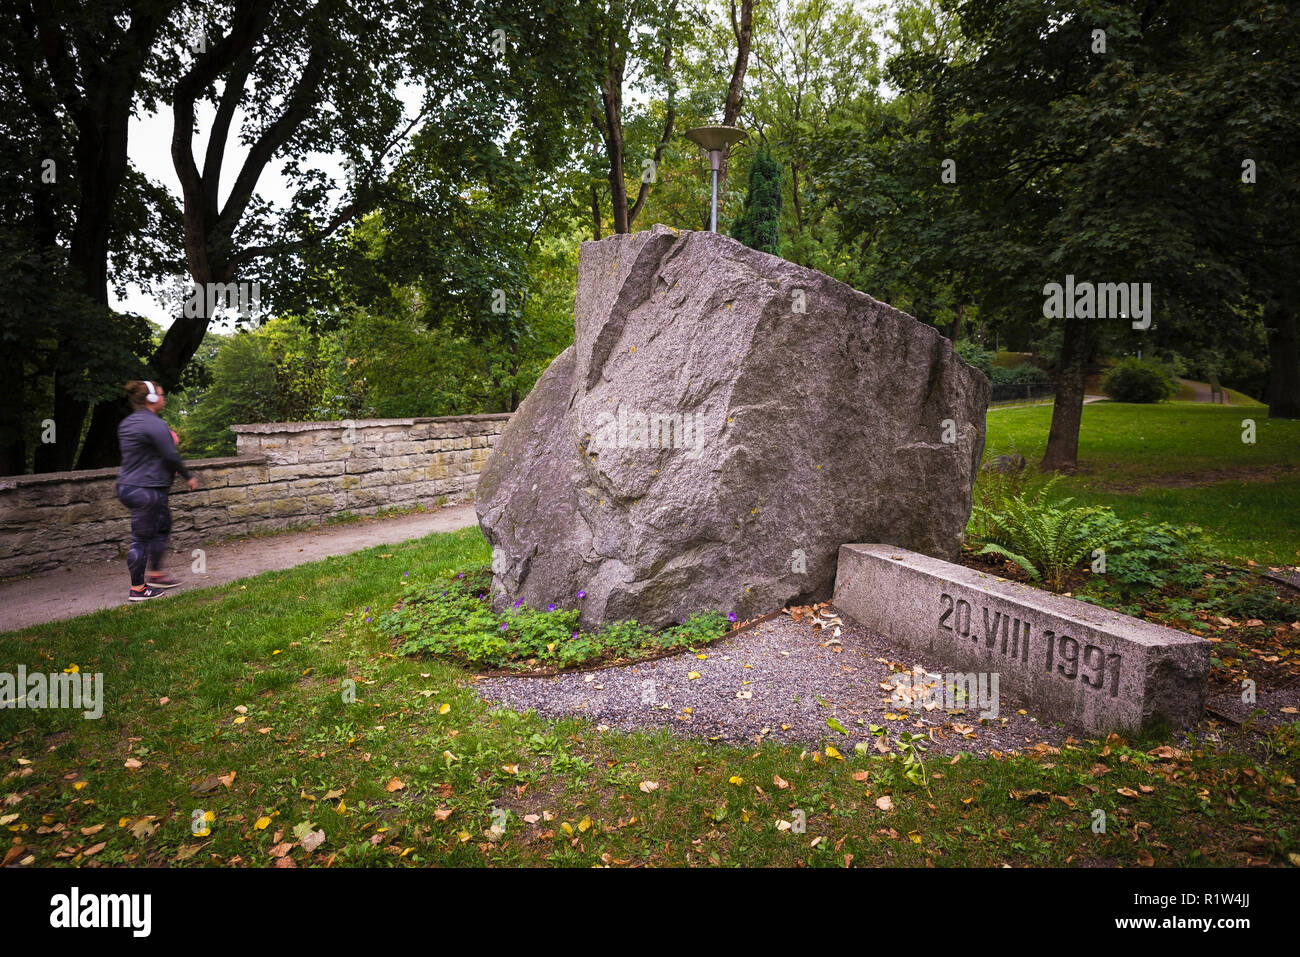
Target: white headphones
[153,392]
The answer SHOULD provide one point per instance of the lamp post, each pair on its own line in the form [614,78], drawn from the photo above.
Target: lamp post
[716,140]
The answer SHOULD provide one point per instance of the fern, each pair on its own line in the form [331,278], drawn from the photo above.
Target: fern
[1020,560]
[1046,539]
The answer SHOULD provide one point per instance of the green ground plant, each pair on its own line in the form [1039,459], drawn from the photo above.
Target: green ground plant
[455,619]
[1045,538]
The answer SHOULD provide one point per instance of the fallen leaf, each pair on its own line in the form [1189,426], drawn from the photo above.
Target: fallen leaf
[885,802]
[393,785]
[646,786]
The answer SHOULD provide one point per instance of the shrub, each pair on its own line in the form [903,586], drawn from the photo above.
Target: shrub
[1139,380]
[1024,374]
[757,225]
[973,354]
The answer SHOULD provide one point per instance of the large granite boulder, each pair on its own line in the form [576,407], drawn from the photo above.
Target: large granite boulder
[724,421]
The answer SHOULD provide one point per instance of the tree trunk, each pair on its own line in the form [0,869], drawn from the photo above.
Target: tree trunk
[794,190]
[612,98]
[956,322]
[743,31]
[1062,453]
[69,416]
[99,102]
[1283,362]
[514,374]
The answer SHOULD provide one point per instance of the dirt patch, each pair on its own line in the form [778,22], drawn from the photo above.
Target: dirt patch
[1244,473]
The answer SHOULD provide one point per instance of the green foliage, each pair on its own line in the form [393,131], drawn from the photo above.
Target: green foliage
[1026,374]
[1261,602]
[993,487]
[1139,380]
[1045,538]
[1143,558]
[456,620]
[276,373]
[973,354]
[758,226]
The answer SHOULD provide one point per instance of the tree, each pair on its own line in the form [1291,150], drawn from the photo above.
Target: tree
[638,36]
[73,74]
[1079,135]
[758,225]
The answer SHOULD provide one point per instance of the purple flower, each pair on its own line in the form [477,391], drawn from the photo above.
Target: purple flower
[503,626]
[367,621]
[444,594]
[518,602]
[575,634]
[367,608]
[731,617]
[461,575]
[550,608]
[404,574]
[582,594]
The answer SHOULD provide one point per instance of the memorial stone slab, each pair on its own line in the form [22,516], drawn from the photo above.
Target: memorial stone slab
[1090,668]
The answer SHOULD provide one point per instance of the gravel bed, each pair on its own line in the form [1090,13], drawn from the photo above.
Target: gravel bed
[781,680]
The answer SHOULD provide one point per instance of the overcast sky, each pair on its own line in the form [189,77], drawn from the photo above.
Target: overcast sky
[149,147]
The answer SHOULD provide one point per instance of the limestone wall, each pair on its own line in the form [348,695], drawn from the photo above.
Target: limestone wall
[285,473]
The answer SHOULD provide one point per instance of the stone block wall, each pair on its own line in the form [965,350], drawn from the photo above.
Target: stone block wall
[285,473]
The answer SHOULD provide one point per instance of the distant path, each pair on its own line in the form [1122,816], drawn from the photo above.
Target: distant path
[1087,400]
[1201,391]
[80,589]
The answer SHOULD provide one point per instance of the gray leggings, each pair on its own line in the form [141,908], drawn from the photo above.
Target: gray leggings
[151,525]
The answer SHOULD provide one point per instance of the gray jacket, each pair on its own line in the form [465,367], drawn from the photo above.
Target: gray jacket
[149,456]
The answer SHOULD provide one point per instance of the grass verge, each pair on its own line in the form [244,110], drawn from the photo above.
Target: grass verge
[274,705]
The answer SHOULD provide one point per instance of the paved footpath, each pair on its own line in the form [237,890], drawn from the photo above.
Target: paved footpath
[80,589]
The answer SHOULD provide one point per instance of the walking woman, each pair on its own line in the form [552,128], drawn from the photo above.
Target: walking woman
[149,463]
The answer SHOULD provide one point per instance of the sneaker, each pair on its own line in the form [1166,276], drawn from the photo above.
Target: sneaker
[166,581]
[145,593]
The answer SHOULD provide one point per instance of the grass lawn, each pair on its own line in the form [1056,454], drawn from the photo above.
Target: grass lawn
[413,769]
[1179,462]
